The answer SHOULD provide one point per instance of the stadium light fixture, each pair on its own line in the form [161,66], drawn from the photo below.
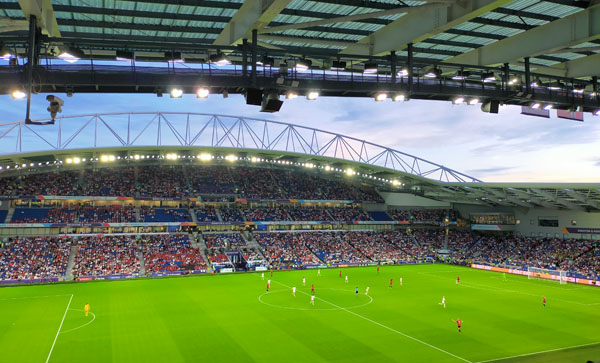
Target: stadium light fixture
[578,88]
[536,83]
[350,172]
[370,68]
[399,97]
[202,92]
[303,64]
[536,105]
[18,94]
[76,160]
[312,95]
[5,53]
[136,157]
[254,159]
[219,59]
[555,86]
[309,165]
[69,161]
[205,156]
[176,92]
[460,75]
[402,73]
[458,100]
[338,65]
[396,182]
[514,81]
[433,73]
[597,112]
[107,158]
[171,156]
[548,107]
[290,95]
[380,97]
[71,54]
[327,168]
[488,77]
[125,56]
[473,101]
[231,158]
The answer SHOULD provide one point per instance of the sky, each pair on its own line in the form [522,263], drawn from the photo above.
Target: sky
[504,147]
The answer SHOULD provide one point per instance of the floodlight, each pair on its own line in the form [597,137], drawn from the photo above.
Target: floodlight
[458,100]
[381,96]
[303,64]
[219,59]
[71,54]
[69,161]
[312,95]
[338,65]
[123,55]
[399,97]
[136,157]
[460,75]
[202,93]
[5,53]
[433,73]
[473,101]
[536,83]
[514,80]
[327,168]
[171,156]
[290,95]
[18,94]
[535,105]
[266,61]
[254,159]
[231,158]
[578,88]
[548,107]
[370,68]
[403,72]
[488,77]
[555,85]
[176,92]
[597,112]
[350,171]
[76,160]
[107,158]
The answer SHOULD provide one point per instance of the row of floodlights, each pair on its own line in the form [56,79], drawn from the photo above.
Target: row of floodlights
[108,158]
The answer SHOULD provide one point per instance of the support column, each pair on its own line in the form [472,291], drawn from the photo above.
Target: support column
[393,66]
[254,49]
[527,76]
[410,68]
[31,61]
[245,58]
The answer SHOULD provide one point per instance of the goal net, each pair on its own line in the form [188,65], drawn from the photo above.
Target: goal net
[544,273]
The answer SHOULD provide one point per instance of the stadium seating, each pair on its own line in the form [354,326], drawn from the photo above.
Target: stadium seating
[170,253]
[34,258]
[105,256]
[165,215]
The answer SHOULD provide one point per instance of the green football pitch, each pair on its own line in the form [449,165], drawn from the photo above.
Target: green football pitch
[231,318]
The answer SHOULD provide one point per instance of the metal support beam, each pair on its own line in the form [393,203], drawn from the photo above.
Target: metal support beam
[527,77]
[356,17]
[393,61]
[252,15]
[254,50]
[410,68]
[420,25]
[582,27]
[245,58]
[578,68]
[31,62]
[44,13]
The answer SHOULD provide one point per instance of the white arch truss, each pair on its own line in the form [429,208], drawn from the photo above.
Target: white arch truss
[186,129]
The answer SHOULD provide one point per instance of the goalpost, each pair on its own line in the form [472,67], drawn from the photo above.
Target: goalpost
[544,273]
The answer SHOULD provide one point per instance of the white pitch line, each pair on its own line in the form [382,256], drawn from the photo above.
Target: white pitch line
[31,297]
[383,326]
[81,326]
[541,352]
[59,327]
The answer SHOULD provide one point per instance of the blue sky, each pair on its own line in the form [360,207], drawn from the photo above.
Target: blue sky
[506,147]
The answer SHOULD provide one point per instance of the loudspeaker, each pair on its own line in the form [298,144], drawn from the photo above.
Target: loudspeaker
[254,96]
[271,103]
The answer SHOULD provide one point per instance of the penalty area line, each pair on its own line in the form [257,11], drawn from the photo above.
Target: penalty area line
[541,352]
[383,326]
[59,327]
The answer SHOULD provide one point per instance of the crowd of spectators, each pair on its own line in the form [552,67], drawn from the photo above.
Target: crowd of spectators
[111,214]
[43,215]
[34,258]
[151,214]
[110,182]
[224,240]
[343,214]
[332,247]
[286,249]
[266,214]
[106,255]
[169,253]
[231,214]
[210,180]
[433,216]
[162,181]
[206,213]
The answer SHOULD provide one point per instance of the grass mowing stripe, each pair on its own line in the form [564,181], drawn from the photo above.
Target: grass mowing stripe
[381,325]
[31,297]
[541,352]
[59,327]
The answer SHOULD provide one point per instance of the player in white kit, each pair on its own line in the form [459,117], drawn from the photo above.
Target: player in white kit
[367,292]
[262,276]
[303,281]
[312,299]
[346,278]
[294,291]
[443,303]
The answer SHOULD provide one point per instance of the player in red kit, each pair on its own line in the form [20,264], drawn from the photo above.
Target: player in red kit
[391,283]
[271,272]
[544,301]
[312,288]
[268,284]
[340,274]
[378,269]
[457,280]
[458,324]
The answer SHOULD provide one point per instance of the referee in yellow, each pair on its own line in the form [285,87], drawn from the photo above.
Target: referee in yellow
[86,308]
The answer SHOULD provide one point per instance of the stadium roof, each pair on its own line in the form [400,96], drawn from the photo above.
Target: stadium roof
[553,40]
[182,138]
